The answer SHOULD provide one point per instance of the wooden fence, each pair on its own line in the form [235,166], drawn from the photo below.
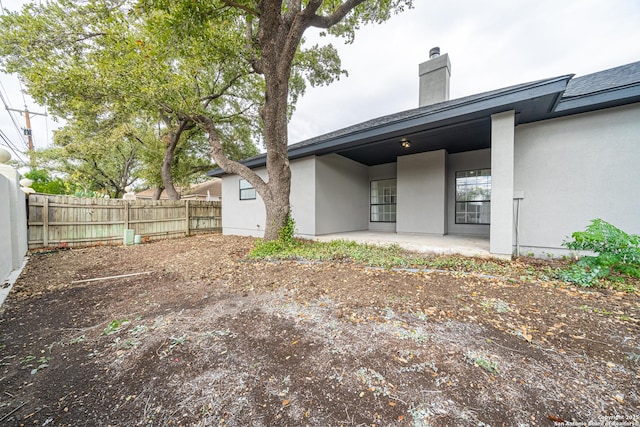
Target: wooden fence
[72,221]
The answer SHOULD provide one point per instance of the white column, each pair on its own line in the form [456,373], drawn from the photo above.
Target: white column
[502,150]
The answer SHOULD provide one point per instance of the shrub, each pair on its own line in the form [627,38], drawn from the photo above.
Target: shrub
[275,248]
[287,231]
[616,251]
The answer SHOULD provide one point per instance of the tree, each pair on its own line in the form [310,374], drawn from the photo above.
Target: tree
[274,32]
[44,183]
[97,62]
[105,159]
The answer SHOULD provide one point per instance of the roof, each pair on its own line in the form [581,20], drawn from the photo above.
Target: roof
[196,191]
[212,188]
[613,78]
[464,124]
[608,88]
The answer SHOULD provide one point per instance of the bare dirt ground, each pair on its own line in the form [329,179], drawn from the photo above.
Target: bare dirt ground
[209,338]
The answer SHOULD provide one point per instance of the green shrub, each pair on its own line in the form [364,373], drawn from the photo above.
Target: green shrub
[616,251]
[287,231]
[277,248]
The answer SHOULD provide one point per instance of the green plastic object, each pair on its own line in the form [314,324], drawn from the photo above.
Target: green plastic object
[128,236]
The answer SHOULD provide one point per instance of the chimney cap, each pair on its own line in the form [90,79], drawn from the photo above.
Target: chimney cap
[434,52]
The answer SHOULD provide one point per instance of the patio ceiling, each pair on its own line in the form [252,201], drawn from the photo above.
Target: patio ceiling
[458,125]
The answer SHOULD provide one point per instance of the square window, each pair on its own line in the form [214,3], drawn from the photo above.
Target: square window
[247,192]
[473,197]
[383,200]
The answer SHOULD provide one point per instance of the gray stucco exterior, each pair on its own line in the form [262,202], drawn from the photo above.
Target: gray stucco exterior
[422,189]
[575,169]
[561,152]
[342,195]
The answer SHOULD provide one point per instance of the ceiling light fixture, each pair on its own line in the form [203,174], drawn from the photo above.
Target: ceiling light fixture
[405,143]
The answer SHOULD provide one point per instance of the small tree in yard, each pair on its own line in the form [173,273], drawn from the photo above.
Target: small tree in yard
[616,251]
[274,32]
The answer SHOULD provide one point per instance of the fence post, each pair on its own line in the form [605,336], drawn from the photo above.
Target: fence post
[126,215]
[187,227]
[45,222]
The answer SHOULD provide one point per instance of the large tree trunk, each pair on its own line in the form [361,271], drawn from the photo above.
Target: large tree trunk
[157,193]
[275,44]
[165,171]
[171,142]
[278,39]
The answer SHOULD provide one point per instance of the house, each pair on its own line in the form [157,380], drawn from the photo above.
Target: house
[210,190]
[524,165]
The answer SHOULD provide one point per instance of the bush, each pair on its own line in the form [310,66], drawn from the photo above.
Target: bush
[616,251]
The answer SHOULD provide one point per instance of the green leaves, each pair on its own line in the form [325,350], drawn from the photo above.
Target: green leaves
[616,251]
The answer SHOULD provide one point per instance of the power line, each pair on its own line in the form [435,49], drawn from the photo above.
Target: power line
[27,129]
[7,106]
[7,143]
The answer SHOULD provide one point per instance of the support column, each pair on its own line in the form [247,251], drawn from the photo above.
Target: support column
[502,152]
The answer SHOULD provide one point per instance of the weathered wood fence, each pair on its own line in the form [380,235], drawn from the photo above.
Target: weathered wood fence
[72,221]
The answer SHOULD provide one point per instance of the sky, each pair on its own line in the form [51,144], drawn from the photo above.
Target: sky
[491,44]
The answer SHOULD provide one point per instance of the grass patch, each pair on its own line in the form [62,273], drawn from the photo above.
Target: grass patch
[482,361]
[391,256]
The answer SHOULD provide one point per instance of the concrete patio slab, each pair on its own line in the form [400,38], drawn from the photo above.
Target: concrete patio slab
[448,244]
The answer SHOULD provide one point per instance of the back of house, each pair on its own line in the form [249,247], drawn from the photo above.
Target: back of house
[523,166]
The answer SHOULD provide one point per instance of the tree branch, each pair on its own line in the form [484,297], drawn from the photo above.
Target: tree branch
[207,99]
[330,20]
[230,166]
[242,7]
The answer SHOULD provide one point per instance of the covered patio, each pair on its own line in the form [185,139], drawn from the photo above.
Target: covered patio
[447,244]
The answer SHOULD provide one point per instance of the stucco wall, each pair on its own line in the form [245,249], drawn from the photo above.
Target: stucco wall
[247,217]
[241,217]
[13,222]
[378,172]
[458,162]
[342,195]
[6,260]
[576,169]
[421,204]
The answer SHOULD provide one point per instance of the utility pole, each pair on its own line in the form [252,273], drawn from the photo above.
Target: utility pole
[27,132]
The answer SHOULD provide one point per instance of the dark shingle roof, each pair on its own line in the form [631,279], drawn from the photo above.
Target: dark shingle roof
[413,113]
[612,78]
[604,89]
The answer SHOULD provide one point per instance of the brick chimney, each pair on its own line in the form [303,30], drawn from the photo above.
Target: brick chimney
[434,78]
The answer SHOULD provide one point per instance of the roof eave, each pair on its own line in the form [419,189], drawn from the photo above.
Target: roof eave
[494,103]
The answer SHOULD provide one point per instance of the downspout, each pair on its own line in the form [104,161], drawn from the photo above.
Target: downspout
[517,196]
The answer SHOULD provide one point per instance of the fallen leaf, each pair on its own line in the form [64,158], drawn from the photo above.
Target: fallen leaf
[285,402]
[392,403]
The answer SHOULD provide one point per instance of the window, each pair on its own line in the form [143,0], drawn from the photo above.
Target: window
[383,201]
[473,196]
[247,192]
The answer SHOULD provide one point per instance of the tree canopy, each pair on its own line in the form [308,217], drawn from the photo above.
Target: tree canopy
[233,68]
[100,62]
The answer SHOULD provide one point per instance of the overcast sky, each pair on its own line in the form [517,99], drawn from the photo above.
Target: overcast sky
[491,44]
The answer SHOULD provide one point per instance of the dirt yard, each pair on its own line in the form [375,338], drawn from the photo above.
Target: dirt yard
[207,338]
